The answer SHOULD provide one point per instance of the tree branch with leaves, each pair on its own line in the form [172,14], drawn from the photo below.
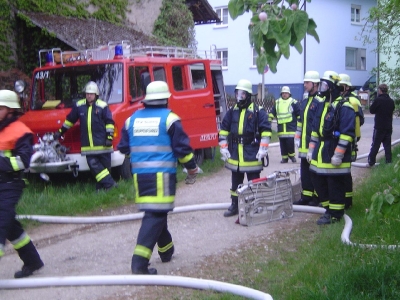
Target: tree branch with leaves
[275,27]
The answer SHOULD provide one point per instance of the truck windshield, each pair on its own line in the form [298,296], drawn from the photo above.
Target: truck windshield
[62,86]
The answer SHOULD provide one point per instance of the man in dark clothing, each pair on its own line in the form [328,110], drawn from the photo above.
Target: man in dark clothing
[382,107]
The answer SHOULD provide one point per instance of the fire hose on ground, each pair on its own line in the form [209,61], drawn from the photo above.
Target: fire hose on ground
[163,280]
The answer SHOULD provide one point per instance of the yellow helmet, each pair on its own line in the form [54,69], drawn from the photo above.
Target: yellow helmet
[312,76]
[345,79]
[157,92]
[9,99]
[285,89]
[332,76]
[92,88]
[245,85]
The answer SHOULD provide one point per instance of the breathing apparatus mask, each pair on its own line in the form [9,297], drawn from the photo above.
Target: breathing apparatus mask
[243,98]
[329,90]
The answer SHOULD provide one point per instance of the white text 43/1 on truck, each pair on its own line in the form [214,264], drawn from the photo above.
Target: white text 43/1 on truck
[122,74]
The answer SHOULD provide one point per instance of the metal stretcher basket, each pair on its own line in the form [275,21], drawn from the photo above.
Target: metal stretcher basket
[269,198]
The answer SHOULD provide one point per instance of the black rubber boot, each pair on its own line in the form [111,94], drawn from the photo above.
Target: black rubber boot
[31,259]
[349,203]
[284,161]
[327,219]
[233,209]
[140,266]
[301,202]
[293,159]
[167,255]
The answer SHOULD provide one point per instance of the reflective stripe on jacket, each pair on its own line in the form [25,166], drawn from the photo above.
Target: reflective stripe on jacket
[333,131]
[308,110]
[152,159]
[96,124]
[238,128]
[286,112]
[9,136]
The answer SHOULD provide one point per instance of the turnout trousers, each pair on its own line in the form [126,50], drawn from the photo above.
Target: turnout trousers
[307,186]
[331,190]
[11,229]
[287,147]
[154,230]
[100,166]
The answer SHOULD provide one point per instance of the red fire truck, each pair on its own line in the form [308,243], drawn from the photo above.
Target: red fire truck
[122,74]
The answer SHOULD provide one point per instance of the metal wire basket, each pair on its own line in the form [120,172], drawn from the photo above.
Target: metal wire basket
[269,198]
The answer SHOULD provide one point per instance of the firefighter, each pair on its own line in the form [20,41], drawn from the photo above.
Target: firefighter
[155,140]
[243,138]
[329,150]
[286,111]
[349,94]
[16,141]
[97,133]
[308,109]
[383,108]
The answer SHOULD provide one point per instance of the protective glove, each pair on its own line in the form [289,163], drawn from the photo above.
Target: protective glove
[262,152]
[309,154]
[297,142]
[297,137]
[225,155]
[336,159]
[192,174]
[108,143]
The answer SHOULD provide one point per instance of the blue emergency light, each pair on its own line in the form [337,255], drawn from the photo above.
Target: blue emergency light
[49,59]
[118,53]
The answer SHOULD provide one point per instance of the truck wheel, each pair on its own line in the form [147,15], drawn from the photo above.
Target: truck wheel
[199,156]
[123,171]
[209,153]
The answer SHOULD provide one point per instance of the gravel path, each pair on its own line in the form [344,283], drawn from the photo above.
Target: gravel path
[106,249]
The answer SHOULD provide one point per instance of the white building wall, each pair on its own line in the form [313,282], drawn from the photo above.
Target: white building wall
[333,19]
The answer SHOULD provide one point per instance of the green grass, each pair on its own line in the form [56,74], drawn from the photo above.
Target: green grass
[311,262]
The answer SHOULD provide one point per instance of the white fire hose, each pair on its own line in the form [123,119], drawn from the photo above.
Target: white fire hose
[178,281]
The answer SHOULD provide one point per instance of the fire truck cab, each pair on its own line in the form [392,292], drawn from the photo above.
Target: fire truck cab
[122,74]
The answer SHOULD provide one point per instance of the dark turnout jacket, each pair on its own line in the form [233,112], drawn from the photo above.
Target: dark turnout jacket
[382,107]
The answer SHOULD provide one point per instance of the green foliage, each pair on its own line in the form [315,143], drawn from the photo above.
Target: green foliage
[286,26]
[385,204]
[113,11]
[174,25]
[29,37]
[6,30]
[384,19]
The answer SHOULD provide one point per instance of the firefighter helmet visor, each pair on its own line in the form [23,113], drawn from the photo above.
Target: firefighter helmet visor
[323,87]
[240,95]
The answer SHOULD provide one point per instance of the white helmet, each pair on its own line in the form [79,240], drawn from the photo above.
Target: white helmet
[332,76]
[285,89]
[244,85]
[157,93]
[9,99]
[312,76]
[345,79]
[92,88]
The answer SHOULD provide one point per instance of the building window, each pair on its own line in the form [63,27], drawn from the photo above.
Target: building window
[356,59]
[223,56]
[255,56]
[356,14]
[222,13]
